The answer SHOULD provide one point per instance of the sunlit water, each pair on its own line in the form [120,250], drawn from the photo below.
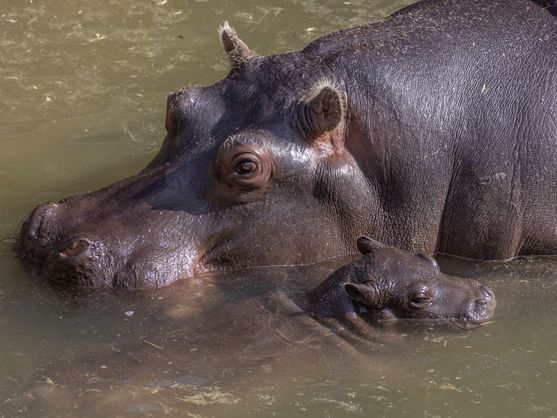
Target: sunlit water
[82,92]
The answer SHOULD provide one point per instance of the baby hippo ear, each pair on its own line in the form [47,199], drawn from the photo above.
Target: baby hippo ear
[429,260]
[322,113]
[362,293]
[367,245]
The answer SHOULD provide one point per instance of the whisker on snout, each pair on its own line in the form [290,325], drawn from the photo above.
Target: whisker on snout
[12,241]
[486,323]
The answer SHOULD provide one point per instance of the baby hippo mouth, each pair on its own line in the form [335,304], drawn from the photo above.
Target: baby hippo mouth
[479,312]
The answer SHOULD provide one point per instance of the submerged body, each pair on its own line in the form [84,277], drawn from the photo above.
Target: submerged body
[433,130]
[351,321]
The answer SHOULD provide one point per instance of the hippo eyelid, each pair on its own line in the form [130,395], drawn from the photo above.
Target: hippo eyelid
[253,137]
[420,300]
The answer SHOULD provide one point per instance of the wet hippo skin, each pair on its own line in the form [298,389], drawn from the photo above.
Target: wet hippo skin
[433,130]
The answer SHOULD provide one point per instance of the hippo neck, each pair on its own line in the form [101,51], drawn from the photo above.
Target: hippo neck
[329,299]
[384,199]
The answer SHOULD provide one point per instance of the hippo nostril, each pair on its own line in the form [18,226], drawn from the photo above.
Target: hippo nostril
[43,213]
[75,248]
[39,217]
[38,231]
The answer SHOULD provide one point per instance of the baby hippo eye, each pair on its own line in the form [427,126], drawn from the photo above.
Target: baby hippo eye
[420,301]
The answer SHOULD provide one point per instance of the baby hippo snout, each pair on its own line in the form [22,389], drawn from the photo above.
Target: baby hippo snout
[482,308]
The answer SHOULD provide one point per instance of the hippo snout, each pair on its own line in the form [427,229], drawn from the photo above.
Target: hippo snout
[38,232]
[486,299]
[97,241]
[62,257]
[480,309]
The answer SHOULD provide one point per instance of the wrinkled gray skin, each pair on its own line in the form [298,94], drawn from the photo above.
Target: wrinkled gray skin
[388,285]
[433,130]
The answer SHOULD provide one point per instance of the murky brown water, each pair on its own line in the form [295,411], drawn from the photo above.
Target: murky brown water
[82,92]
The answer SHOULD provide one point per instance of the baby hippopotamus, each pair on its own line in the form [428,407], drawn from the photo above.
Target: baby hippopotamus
[388,284]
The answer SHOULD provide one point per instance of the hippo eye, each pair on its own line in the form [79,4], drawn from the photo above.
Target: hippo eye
[246,167]
[420,301]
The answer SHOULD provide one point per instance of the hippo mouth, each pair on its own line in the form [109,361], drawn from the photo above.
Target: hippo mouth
[469,325]
[469,322]
[84,265]
[80,262]
[412,325]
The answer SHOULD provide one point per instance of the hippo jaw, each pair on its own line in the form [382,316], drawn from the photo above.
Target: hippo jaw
[75,259]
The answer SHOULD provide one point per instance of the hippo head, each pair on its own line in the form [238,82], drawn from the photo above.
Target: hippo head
[389,284]
[249,174]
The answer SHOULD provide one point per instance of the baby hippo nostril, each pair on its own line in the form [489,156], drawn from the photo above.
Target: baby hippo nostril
[486,291]
[75,248]
[485,303]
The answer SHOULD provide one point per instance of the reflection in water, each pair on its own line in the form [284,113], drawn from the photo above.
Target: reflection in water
[83,90]
[226,345]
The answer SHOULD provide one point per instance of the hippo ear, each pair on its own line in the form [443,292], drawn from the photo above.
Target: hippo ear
[322,113]
[362,293]
[237,51]
[367,245]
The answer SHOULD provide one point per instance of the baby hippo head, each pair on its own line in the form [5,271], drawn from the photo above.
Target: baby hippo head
[391,284]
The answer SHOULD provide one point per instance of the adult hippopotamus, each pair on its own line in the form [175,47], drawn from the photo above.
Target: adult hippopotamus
[433,130]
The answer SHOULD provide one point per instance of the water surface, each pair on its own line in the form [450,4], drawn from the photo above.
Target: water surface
[83,87]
